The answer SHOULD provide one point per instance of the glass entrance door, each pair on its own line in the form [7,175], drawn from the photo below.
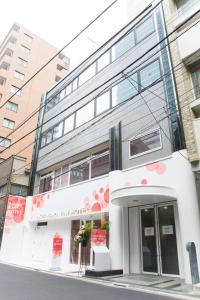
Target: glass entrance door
[159,245]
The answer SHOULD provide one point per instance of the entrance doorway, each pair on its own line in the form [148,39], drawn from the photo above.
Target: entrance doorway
[158,240]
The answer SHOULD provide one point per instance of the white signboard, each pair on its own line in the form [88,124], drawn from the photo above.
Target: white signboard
[167,229]
[149,231]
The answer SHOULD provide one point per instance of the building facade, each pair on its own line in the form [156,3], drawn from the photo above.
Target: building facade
[111,148]
[22,54]
[182,17]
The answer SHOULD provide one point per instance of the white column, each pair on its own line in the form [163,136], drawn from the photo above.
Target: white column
[115,218]
[187,209]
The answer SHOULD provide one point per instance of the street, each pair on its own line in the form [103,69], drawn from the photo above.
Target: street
[21,284]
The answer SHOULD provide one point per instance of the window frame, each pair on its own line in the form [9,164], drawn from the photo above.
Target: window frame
[9,122]
[141,88]
[154,28]
[13,105]
[16,75]
[142,135]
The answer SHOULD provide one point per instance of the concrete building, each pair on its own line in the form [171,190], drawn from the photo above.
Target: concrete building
[111,148]
[183,17]
[22,54]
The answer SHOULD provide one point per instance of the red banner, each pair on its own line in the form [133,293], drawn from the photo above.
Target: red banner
[98,237]
[57,245]
[16,208]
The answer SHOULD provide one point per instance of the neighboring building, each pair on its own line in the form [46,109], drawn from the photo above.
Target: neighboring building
[22,54]
[112,149]
[185,51]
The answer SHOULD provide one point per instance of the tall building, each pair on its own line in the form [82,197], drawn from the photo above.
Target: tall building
[111,148]
[22,54]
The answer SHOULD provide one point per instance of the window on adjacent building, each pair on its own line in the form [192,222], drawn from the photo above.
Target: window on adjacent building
[22,62]
[85,114]
[69,124]
[19,75]
[3,190]
[15,90]
[144,29]
[8,123]
[126,43]
[79,172]
[103,61]
[12,106]
[100,165]
[145,143]
[87,74]
[150,74]
[25,50]
[195,72]
[2,80]
[4,142]
[46,183]
[57,131]
[28,38]
[103,103]
[57,78]
[19,190]
[124,90]
[49,136]
[185,4]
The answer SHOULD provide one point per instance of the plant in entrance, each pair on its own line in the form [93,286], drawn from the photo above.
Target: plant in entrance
[83,236]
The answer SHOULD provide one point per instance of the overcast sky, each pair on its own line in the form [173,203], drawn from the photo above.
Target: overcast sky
[58,21]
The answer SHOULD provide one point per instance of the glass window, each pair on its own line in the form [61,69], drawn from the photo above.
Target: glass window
[43,140]
[65,175]
[123,45]
[57,178]
[69,124]
[12,106]
[75,84]
[145,143]
[145,29]
[14,90]
[3,190]
[19,190]
[22,62]
[28,38]
[5,142]
[150,74]
[8,123]
[19,75]
[85,114]
[124,90]
[196,80]
[62,94]
[46,183]
[100,165]
[57,131]
[87,74]
[103,61]
[25,50]
[79,173]
[49,136]
[68,89]
[103,103]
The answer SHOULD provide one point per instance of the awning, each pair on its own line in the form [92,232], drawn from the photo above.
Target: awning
[142,195]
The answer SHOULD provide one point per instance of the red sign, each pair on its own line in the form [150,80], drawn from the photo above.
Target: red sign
[98,237]
[57,245]
[16,208]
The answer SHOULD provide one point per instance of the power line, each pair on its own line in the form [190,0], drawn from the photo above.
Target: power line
[110,79]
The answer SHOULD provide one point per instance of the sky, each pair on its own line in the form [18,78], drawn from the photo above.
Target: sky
[58,21]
